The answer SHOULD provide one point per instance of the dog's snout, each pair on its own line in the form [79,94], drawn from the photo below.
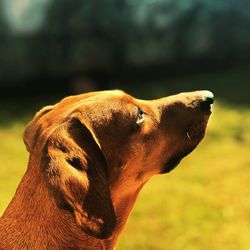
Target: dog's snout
[196,99]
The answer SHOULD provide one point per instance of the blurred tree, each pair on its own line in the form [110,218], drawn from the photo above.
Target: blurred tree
[3,37]
[98,39]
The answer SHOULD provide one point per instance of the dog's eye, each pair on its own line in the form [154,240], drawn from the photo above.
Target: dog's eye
[140,116]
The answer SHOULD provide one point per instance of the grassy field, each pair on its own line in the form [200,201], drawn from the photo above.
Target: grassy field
[203,204]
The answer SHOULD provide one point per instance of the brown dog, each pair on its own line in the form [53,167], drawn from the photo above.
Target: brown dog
[90,155]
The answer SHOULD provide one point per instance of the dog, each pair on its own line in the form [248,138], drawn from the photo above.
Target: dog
[90,155]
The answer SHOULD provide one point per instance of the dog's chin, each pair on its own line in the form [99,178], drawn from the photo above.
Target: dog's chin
[175,160]
[171,164]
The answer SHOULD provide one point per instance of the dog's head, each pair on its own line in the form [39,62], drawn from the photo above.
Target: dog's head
[91,145]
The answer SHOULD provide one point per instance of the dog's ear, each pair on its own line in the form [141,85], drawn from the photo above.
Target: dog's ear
[31,131]
[76,173]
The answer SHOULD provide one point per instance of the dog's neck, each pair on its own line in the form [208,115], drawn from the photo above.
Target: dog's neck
[26,222]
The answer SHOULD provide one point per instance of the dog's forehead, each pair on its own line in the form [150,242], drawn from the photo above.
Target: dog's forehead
[102,101]
[113,96]
[108,96]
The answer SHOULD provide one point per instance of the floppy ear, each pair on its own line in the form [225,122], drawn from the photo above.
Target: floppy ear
[76,173]
[31,131]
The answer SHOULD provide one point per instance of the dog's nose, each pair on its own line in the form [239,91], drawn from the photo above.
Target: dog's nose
[207,96]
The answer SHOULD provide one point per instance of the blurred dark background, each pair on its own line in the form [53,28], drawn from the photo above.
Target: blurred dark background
[147,47]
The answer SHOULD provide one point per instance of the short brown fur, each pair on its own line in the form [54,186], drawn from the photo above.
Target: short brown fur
[90,155]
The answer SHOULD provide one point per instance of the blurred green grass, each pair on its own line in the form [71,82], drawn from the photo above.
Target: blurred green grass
[202,204]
